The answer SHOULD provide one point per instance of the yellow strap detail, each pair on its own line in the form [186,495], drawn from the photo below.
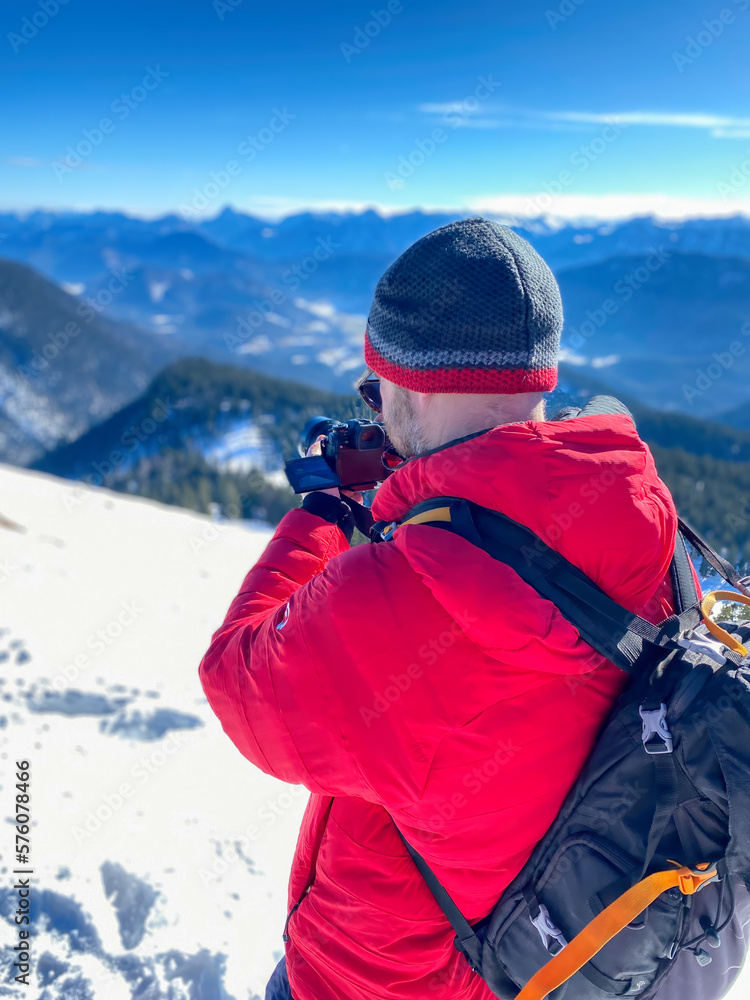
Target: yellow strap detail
[607,924]
[707,605]
[436,514]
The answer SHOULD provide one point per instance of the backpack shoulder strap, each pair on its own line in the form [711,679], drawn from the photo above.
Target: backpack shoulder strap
[470,943]
[683,582]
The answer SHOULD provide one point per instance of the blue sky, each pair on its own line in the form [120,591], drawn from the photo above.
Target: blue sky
[559,106]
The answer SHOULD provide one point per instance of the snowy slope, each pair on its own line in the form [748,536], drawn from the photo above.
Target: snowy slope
[160,855]
[140,802]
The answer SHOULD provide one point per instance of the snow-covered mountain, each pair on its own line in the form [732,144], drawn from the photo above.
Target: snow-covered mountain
[652,300]
[160,855]
[202,433]
[63,365]
[73,246]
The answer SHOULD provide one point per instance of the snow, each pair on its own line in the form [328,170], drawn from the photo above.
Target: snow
[606,361]
[242,446]
[24,401]
[571,358]
[160,855]
[277,478]
[273,317]
[157,290]
[317,326]
[256,345]
[166,323]
[339,359]
[318,308]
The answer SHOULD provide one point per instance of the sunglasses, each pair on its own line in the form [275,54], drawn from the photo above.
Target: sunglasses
[369,389]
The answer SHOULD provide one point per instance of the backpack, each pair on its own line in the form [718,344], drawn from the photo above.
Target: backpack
[641,886]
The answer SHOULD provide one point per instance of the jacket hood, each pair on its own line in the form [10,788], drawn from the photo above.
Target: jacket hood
[587,486]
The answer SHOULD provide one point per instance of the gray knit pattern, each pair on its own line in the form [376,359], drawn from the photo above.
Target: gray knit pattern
[472,294]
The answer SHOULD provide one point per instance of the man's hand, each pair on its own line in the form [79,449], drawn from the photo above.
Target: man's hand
[315,449]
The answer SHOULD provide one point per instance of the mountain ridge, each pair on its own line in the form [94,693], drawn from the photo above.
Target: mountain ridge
[676,290]
[206,404]
[63,364]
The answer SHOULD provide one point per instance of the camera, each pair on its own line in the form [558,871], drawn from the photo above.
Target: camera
[351,456]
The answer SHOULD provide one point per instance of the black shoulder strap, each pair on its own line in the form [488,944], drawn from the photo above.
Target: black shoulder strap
[468,940]
[683,582]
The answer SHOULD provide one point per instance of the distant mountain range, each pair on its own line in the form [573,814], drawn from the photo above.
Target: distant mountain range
[670,329]
[180,361]
[291,297]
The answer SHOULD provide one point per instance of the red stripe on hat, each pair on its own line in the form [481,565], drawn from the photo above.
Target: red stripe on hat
[484,380]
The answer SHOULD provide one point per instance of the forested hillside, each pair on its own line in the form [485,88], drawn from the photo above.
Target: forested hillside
[170,445]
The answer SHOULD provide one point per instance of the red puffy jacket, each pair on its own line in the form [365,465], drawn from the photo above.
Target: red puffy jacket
[421,678]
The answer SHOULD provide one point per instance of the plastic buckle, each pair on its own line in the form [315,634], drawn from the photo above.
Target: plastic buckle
[694,878]
[548,932]
[704,645]
[656,736]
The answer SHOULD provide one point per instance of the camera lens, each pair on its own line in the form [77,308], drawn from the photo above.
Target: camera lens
[313,428]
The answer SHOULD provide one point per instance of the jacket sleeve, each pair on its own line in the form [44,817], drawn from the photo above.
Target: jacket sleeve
[263,675]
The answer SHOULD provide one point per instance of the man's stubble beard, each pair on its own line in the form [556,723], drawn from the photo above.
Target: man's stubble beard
[401,424]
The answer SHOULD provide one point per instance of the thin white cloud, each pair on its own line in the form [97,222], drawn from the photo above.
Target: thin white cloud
[466,115]
[24,161]
[718,126]
[33,163]
[606,207]
[668,118]
[469,122]
[448,107]
[731,133]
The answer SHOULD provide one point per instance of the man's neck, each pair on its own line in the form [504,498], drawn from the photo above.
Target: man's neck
[440,447]
[479,423]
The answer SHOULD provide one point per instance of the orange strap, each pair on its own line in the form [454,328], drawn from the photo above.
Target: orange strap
[707,606]
[607,924]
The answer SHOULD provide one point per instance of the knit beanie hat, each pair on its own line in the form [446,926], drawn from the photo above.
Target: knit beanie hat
[471,307]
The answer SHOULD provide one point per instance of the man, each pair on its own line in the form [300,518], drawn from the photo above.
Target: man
[419,683]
